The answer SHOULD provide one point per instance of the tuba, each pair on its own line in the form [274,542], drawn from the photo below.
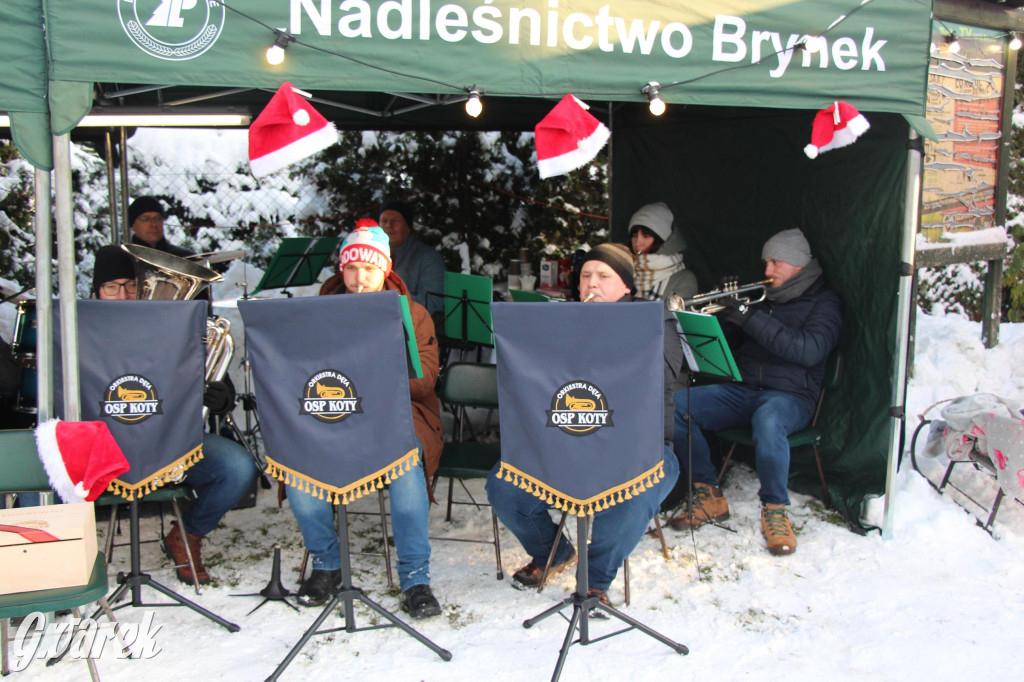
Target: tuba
[166,277]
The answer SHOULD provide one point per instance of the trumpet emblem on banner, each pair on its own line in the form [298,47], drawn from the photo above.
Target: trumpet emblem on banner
[579,409]
[131,399]
[329,396]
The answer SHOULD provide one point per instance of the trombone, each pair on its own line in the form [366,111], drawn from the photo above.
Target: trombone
[705,303]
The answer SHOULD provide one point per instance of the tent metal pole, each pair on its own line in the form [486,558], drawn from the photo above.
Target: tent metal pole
[115,235]
[123,141]
[66,275]
[905,308]
[44,295]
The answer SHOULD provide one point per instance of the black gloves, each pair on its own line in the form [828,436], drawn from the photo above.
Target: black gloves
[734,311]
[219,396]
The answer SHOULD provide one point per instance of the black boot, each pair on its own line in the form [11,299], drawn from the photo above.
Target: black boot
[319,587]
[420,602]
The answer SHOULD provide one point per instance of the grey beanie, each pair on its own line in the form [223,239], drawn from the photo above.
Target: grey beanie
[656,217]
[788,246]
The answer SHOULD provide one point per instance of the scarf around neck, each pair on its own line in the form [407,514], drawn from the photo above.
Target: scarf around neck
[795,286]
[652,271]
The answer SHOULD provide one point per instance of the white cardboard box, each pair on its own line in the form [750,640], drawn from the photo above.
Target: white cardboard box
[30,561]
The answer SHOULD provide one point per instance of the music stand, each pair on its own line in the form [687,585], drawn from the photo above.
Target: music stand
[348,594]
[297,263]
[707,357]
[582,604]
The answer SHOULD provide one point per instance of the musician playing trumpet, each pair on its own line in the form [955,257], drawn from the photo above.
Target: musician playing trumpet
[782,346]
[226,471]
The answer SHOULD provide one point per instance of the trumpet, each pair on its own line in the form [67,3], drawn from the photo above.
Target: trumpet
[704,303]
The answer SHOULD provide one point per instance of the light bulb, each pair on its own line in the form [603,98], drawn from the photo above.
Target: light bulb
[275,55]
[474,107]
[954,44]
[1015,42]
[814,44]
[654,101]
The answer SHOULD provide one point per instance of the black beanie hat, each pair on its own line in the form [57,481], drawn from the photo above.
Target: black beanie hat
[144,205]
[618,258]
[112,262]
[402,207]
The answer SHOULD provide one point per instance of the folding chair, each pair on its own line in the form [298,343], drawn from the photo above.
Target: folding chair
[21,471]
[809,436]
[469,385]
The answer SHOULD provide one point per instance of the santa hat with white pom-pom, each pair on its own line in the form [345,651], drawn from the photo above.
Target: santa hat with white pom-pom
[288,130]
[568,137]
[80,458]
[835,126]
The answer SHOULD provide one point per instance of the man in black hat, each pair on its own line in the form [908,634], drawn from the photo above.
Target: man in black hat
[606,277]
[419,266]
[226,471]
[146,219]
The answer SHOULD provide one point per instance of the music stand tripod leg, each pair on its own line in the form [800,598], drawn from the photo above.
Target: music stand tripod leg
[581,606]
[347,595]
[136,580]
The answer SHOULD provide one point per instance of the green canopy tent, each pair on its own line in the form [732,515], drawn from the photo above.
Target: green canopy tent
[728,161]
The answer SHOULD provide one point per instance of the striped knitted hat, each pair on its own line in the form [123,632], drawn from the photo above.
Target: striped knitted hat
[618,258]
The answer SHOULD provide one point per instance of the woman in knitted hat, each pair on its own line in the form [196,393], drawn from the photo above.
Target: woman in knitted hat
[658,255]
[365,262]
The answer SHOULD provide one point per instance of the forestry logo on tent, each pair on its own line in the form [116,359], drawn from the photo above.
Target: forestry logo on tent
[329,396]
[175,30]
[579,408]
[131,399]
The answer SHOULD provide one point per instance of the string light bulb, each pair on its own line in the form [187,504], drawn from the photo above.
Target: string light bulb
[1015,42]
[474,106]
[654,101]
[952,43]
[814,44]
[275,53]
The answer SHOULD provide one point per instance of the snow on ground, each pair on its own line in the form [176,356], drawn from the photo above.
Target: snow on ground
[942,600]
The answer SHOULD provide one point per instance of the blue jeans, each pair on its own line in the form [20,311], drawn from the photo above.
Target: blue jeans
[221,478]
[409,511]
[616,530]
[772,415]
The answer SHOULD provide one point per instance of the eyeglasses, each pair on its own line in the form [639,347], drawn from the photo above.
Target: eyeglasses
[114,288]
[156,218]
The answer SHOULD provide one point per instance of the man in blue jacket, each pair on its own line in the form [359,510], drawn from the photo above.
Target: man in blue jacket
[781,355]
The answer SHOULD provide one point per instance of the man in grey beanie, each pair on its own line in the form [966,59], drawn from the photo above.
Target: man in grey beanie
[781,349]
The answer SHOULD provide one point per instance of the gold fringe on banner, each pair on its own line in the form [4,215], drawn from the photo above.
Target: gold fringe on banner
[172,473]
[352,491]
[573,505]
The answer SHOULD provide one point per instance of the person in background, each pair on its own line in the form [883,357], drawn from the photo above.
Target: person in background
[419,266]
[784,344]
[366,267]
[146,219]
[657,248]
[226,471]
[606,276]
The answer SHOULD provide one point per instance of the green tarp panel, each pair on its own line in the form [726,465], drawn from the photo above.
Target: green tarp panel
[23,80]
[727,53]
[734,179]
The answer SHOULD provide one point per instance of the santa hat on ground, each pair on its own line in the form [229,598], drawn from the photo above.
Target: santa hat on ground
[288,130]
[835,126]
[568,137]
[80,458]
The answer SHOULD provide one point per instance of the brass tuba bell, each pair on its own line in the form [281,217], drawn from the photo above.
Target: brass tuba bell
[165,277]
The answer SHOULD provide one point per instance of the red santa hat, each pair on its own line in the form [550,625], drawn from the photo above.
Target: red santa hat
[835,126]
[288,130]
[80,458]
[568,137]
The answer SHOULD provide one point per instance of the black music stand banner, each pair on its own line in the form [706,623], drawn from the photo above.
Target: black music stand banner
[581,395]
[332,391]
[141,366]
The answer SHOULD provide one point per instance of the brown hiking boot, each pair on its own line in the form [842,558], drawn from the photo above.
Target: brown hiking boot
[174,547]
[708,505]
[777,529]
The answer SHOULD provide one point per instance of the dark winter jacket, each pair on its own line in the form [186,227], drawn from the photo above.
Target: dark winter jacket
[785,346]
[165,246]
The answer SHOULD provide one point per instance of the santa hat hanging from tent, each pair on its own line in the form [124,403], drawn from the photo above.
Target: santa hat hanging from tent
[568,137]
[80,458]
[288,130]
[835,126]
